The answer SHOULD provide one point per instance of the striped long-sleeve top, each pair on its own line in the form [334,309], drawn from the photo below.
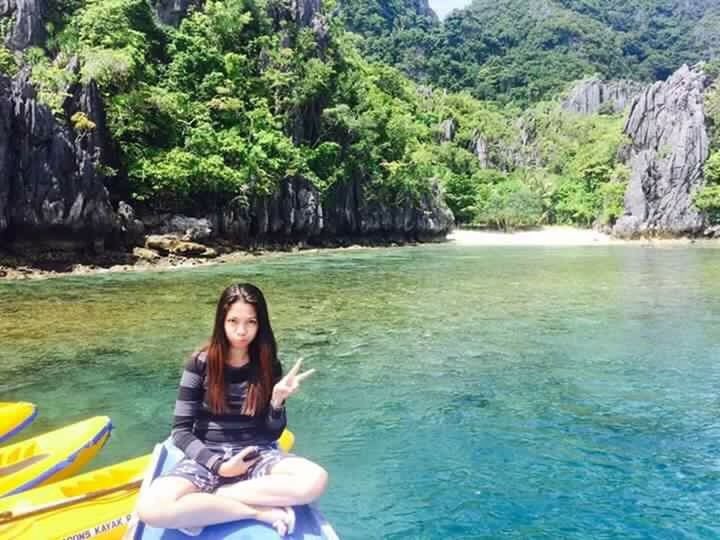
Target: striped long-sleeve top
[195,425]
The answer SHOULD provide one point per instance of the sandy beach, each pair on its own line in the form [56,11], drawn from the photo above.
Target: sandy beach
[549,236]
[553,236]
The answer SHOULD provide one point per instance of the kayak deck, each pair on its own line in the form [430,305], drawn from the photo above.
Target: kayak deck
[309,523]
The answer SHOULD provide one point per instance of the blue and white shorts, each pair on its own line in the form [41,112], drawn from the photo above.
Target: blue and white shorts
[208,481]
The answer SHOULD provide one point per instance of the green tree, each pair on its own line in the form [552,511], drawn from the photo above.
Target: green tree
[509,205]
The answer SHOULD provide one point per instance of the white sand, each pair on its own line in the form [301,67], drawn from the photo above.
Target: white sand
[565,236]
[545,236]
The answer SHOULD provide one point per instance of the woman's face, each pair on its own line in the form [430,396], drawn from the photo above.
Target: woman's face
[241,325]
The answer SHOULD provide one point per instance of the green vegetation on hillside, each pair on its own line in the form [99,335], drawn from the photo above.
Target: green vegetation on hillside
[229,103]
[524,51]
[234,100]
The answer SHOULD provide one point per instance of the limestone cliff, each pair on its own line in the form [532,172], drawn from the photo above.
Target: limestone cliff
[669,144]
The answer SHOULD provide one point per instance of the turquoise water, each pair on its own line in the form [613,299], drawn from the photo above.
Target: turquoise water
[460,393]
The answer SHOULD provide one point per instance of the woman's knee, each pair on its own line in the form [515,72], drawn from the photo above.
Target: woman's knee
[157,506]
[311,483]
[155,513]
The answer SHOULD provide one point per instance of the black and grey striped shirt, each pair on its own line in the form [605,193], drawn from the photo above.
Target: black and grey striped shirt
[195,424]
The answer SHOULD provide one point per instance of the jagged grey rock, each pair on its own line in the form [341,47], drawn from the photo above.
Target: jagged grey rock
[296,214]
[594,96]
[521,152]
[304,11]
[447,130]
[669,144]
[301,12]
[628,227]
[422,8]
[132,229]
[171,12]
[293,211]
[350,213]
[480,149]
[7,164]
[305,118]
[55,191]
[189,229]
[27,27]
[52,177]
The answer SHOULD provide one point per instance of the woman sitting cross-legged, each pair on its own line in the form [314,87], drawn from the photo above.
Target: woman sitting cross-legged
[229,413]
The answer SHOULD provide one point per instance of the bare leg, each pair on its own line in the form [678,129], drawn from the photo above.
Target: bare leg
[293,481]
[176,503]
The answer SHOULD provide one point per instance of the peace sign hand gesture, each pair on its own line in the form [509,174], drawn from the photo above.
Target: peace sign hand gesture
[289,384]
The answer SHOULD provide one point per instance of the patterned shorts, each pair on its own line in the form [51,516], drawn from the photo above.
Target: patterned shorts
[206,480]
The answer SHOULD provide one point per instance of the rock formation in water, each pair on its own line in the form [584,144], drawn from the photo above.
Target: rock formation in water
[594,96]
[54,194]
[669,144]
[351,213]
[296,213]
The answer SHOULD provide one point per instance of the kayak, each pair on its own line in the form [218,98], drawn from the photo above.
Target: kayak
[52,456]
[97,504]
[14,417]
[309,522]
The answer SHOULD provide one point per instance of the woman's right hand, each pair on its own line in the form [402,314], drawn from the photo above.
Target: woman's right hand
[236,465]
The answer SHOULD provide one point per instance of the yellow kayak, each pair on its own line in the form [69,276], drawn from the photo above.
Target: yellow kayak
[94,505]
[14,417]
[52,456]
[286,440]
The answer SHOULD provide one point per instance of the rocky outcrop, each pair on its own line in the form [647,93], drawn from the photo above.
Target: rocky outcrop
[173,11]
[27,22]
[520,152]
[447,130]
[131,230]
[300,12]
[293,213]
[6,151]
[422,8]
[351,213]
[305,117]
[304,11]
[48,173]
[97,143]
[296,213]
[172,245]
[187,228]
[54,190]
[480,148]
[594,96]
[669,144]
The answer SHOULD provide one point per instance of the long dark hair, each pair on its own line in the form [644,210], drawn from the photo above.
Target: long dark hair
[262,351]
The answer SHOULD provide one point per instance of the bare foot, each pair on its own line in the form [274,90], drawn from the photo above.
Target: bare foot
[277,518]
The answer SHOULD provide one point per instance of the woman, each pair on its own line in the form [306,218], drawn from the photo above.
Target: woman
[229,412]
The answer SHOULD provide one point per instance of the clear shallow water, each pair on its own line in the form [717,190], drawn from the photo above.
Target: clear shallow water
[461,392]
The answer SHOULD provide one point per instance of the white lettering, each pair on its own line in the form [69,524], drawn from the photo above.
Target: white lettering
[101,528]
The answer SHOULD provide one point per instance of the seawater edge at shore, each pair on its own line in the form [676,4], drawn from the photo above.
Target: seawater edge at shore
[559,235]
[14,268]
